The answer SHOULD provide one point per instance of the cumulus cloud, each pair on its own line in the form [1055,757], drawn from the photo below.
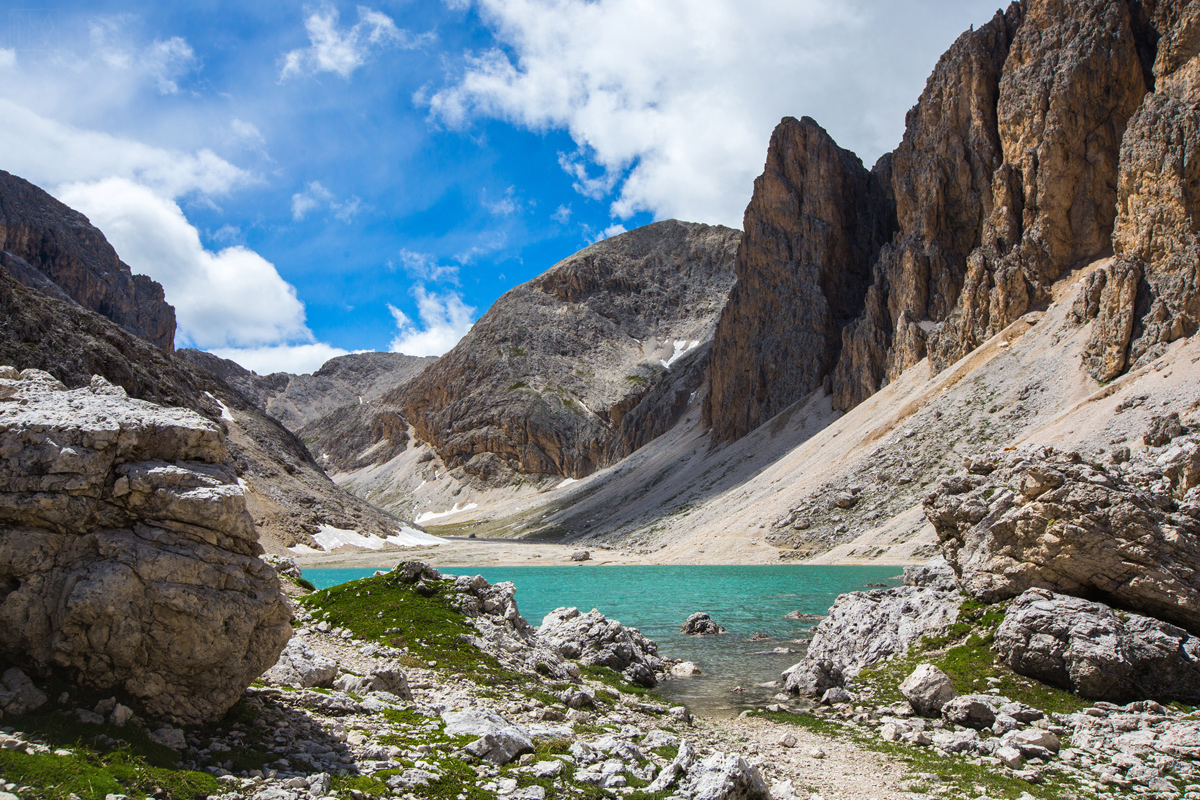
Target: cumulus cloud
[444,320]
[342,50]
[229,298]
[299,359]
[611,230]
[671,104]
[50,153]
[317,196]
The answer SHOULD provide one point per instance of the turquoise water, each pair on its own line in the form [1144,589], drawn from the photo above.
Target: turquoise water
[657,599]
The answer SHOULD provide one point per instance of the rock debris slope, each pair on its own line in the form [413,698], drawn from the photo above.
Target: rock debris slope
[128,560]
[1049,137]
[582,365]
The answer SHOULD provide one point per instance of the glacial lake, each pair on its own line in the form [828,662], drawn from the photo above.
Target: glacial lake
[657,599]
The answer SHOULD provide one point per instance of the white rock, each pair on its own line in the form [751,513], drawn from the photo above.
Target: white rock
[927,690]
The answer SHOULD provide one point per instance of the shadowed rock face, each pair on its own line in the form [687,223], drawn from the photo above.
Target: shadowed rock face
[567,373]
[1036,136]
[814,226]
[128,560]
[40,235]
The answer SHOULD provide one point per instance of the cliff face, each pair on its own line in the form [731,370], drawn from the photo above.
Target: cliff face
[41,236]
[582,365]
[814,226]
[1056,134]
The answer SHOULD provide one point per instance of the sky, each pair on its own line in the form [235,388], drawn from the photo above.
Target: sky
[312,179]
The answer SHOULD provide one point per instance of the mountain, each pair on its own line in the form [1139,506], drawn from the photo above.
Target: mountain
[581,366]
[1054,135]
[338,410]
[53,248]
[46,323]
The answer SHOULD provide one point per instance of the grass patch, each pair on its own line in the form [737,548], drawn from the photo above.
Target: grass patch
[386,609]
[616,680]
[91,775]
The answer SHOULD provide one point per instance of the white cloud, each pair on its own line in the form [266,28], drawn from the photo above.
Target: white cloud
[343,50]
[229,298]
[562,214]
[167,61]
[8,58]
[50,153]
[247,131]
[506,206]
[299,359]
[611,230]
[316,196]
[671,104]
[426,267]
[445,319]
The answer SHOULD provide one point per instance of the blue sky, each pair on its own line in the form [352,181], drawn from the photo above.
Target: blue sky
[311,179]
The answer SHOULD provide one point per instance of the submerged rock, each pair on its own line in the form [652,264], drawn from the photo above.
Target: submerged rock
[700,624]
[128,560]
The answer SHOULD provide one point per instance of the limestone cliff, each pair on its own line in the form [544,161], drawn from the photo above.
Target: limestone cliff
[582,365]
[43,240]
[1053,135]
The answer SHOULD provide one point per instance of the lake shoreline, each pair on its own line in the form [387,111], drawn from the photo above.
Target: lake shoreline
[460,553]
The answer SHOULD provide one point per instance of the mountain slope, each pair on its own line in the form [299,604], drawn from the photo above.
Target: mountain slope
[582,365]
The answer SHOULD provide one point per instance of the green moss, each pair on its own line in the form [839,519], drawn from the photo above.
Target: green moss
[518,385]
[616,680]
[304,583]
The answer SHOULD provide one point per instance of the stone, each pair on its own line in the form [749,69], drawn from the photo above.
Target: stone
[835,695]
[1009,757]
[594,639]
[499,742]
[934,574]
[121,715]
[865,627]
[1051,520]
[788,740]
[301,666]
[130,561]
[970,711]
[1090,649]
[724,776]
[390,680]
[1029,738]
[170,737]
[18,695]
[581,555]
[700,624]
[927,689]
[565,373]
[684,669]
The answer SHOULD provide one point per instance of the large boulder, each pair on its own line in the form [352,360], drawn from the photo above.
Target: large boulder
[593,639]
[128,561]
[865,627]
[1097,652]
[499,741]
[302,667]
[724,776]
[1048,519]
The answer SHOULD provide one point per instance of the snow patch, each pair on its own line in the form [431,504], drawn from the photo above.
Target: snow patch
[304,550]
[682,347]
[225,412]
[567,482]
[428,515]
[410,537]
[331,538]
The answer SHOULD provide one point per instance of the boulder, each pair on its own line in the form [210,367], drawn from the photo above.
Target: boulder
[927,690]
[389,680]
[700,624]
[1052,520]
[724,776]
[865,627]
[581,555]
[128,560]
[499,741]
[933,574]
[303,667]
[18,695]
[596,640]
[1099,653]
[970,711]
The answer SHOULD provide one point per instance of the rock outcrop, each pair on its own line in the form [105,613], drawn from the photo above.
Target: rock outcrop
[594,639]
[1098,653]
[40,238]
[582,365]
[700,624]
[865,627]
[1046,139]
[127,558]
[1128,533]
